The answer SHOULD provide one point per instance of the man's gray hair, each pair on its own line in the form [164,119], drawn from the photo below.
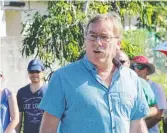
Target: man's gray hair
[115,21]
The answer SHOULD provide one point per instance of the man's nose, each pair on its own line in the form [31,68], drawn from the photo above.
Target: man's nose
[98,40]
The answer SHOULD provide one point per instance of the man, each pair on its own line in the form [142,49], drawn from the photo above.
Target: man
[93,95]
[150,97]
[143,68]
[29,97]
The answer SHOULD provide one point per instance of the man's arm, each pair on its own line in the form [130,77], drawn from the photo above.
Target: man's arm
[153,111]
[152,121]
[49,123]
[138,126]
[14,113]
[18,127]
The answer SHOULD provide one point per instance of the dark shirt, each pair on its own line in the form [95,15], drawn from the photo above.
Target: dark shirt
[28,104]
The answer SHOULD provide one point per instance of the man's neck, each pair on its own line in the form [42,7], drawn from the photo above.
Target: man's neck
[146,78]
[35,86]
[106,74]
[104,67]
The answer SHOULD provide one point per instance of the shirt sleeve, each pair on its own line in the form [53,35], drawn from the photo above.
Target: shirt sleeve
[8,93]
[141,108]
[160,95]
[19,101]
[53,101]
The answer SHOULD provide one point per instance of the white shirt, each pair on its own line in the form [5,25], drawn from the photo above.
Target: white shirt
[161,101]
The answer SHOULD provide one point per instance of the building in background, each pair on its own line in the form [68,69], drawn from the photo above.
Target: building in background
[13,65]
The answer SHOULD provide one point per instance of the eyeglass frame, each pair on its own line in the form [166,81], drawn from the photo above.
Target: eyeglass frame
[123,61]
[101,37]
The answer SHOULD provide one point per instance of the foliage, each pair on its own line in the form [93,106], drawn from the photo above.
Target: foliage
[133,42]
[154,18]
[57,35]
[161,79]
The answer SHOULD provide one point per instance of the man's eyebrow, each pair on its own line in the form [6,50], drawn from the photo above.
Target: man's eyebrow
[92,32]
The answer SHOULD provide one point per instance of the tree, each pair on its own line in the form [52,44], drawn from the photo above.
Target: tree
[59,33]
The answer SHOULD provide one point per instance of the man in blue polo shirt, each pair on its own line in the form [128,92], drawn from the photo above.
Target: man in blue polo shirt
[94,95]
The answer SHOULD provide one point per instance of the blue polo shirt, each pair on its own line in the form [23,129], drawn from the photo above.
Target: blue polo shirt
[78,97]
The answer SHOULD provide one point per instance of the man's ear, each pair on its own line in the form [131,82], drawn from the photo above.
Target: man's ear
[128,61]
[147,71]
[3,78]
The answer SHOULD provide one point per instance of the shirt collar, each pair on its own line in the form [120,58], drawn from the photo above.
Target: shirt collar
[90,66]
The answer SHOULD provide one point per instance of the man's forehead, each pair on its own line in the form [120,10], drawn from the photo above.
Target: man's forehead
[121,56]
[104,25]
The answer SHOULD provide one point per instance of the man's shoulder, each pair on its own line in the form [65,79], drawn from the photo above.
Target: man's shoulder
[128,77]
[71,66]
[144,82]
[128,72]
[69,69]
[24,88]
[155,85]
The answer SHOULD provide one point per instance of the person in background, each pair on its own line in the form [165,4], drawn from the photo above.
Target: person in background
[143,68]
[29,98]
[94,95]
[9,113]
[124,60]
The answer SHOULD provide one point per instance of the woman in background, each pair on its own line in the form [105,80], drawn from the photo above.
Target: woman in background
[9,116]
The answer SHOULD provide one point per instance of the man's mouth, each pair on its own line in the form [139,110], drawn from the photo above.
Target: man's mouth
[97,51]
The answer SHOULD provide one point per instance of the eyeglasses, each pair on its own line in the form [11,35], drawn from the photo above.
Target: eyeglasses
[103,38]
[138,66]
[34,71]
[122,61]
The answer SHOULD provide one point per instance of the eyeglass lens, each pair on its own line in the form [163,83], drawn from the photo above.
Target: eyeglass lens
[138,66]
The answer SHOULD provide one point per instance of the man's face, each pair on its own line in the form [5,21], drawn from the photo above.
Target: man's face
[141,70]
[35,76]
[100,42]
[123,58]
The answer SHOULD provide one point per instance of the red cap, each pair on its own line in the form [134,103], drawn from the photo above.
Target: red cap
[144,60]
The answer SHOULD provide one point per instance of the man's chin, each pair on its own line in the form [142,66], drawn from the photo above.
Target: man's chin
[35,81]
[99,61]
